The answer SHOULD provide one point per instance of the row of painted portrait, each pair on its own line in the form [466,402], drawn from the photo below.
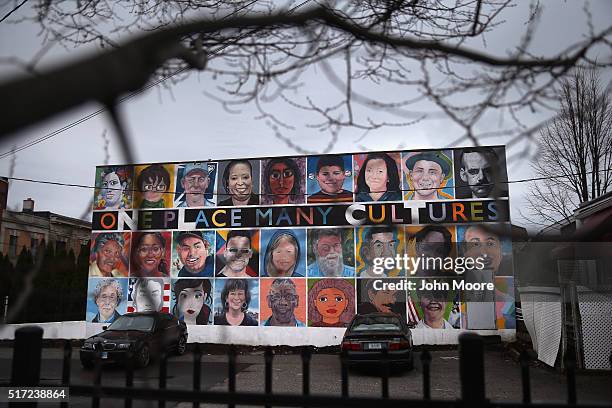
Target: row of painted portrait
[294,302]
[314,252]
[369,177]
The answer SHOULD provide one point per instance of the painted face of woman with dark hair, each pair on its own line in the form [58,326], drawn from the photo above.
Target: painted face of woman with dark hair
[240,182]
[236,299]
[376,176]
[284,256]
[281,182]
[150,253]
[190,302]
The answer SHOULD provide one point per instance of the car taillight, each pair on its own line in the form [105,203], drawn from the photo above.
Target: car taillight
[399,345]
[350,345]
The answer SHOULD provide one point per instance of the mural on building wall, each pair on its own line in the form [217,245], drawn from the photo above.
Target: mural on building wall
[307,241]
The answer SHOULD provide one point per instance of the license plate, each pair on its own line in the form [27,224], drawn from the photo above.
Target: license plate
[374,346]
[104,355]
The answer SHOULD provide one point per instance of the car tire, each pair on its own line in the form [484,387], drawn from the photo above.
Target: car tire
[181,345]
[143,357]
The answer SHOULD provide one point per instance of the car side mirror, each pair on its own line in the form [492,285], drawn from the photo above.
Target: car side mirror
[104,327]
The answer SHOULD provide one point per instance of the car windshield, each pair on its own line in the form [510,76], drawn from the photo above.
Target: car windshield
[377,323]
[140,323]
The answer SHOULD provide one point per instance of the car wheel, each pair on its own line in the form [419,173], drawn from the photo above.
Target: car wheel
[143,357]
[181,346]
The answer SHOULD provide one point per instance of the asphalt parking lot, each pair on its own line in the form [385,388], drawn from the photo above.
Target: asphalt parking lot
[503,381]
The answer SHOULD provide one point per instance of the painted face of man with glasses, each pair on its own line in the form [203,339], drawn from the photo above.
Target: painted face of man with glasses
[237,254]
[283,300]
[378,242]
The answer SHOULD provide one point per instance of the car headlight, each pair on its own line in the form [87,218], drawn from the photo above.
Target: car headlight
[88,346]
[123,346]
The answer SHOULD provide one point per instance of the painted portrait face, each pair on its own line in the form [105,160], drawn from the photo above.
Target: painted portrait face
[149,296]
[235,299]
[376,175]
[331,302]
[150,253]
[190,302]
[237,253]
[108,256]
[433,308]
[485,244]
[432,245]
[477,171]
[328,252]
[107,302]
[281,180]
[383,300]
[240,182]
[112,190]
[330,179]
[192,252]
[154,189]
[195,184]
[426,177]
[383,244]
[283,300]
[284,256]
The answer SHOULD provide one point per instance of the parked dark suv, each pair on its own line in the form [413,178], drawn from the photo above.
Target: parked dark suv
[140,334]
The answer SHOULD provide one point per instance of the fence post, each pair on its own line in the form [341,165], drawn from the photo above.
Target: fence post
[197,371]
[426,362]
[306,370]
[570,372]
[471,369]
[66,367]
[26,356]
[344,373]
[268,356]
[385,374]
[525,377]
[129,376]
[231,372]
[163,366]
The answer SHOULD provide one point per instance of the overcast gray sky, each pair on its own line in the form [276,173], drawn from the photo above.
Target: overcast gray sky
[182,124]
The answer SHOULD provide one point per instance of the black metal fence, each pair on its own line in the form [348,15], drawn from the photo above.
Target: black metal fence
[27,363]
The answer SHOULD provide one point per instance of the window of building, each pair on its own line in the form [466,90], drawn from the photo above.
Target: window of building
[13,246]
[34,246]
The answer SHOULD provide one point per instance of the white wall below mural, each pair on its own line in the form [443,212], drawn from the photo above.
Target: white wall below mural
[254,336]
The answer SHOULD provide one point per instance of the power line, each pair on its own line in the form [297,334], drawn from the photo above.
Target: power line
[138,92]
[17,7]
[517,181]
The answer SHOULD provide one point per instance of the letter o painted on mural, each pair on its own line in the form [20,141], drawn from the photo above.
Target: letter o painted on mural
[103,218]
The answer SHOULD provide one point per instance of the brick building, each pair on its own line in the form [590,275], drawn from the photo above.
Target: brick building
[30,228]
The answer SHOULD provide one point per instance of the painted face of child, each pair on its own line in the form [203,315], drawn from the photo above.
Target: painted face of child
[154,189]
